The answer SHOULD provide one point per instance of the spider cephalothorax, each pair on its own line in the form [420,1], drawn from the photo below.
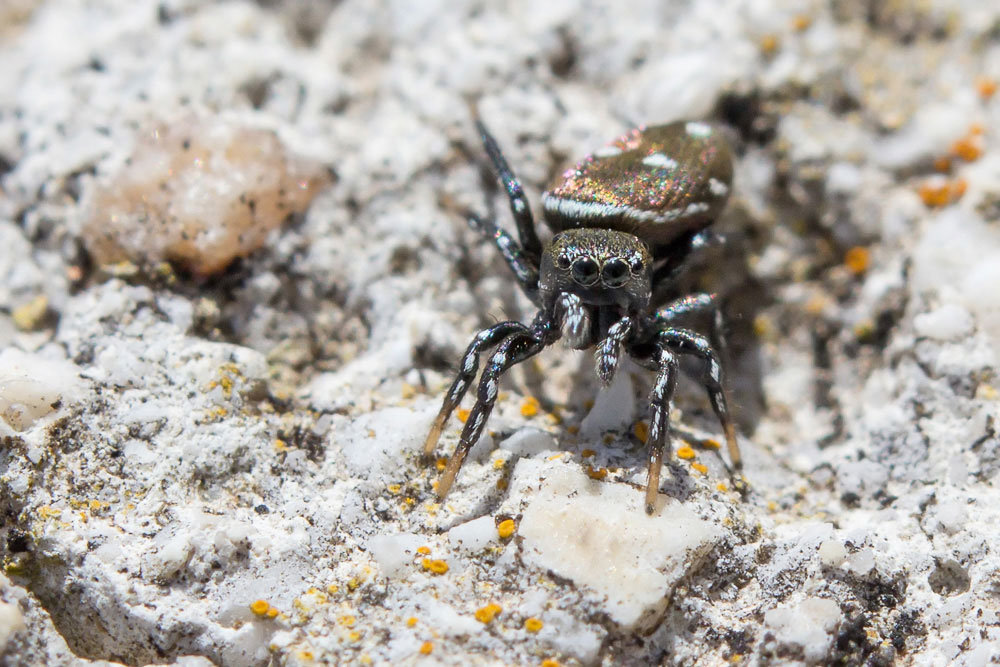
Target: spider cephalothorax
[625,219]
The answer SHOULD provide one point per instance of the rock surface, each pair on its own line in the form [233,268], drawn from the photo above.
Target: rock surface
[217,461]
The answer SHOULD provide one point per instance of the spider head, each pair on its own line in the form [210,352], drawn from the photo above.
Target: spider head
[602,266]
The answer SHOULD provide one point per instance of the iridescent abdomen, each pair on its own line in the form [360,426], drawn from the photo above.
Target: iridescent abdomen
[655,183]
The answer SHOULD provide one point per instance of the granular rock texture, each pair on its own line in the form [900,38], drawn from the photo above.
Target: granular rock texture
[210,447]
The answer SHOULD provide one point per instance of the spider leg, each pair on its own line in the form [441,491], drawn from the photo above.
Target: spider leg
[513,350]
[683,341]
[470,364]
[685,306]
[608,352]
[518,203]
[659,420]
[524,270]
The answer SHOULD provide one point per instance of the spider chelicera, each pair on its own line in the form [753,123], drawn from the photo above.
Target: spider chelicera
[625,219]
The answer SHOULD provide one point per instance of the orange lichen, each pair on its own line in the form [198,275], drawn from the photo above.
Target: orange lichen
[573,429]
[641,431]
[721,486]
[986,87]
[942,164]
[936,191]
[530,407]
[856,260]
[709,443]
[549,662]
[347,621]
[488,613]
[596,473]
[424,550]
[411,621]
[685,452]
[462,414]
[506,528]
[587,453]
[272,612]
[968,148]
[426,648]
[700,467]
[533,624]
[260,607]
[441,463]
[801,22]
[435,566]
[498,464]
[768,44]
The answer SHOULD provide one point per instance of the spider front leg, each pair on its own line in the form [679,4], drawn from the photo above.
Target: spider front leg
[515,193]
[683,341]
[520,265]
[470,364]
[513,350]
[659,420]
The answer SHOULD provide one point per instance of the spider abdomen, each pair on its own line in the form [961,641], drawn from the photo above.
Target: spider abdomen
[655,183]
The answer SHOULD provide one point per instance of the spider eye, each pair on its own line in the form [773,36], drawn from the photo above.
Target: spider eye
[585,271]
[615,273]
[562,261]
[637,266]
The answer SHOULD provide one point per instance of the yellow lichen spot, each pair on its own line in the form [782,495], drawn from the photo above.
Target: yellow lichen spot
[700,467]
[488,613]
[441,463]
[354,636]
[771,506]
[530,406]
[641,431]
[424,550]
[354,583]
[332,588]
[987,392]
[503,395]
[533,624]
[864,329]
[305,655]
[735,657]
[768,44]
[407,390]
[549,662]
[942,164]
[365,659]
[573,429]
[280,445]
[856,260]
[347,621]
[763,327]
[426,648]
[554,418]
[435,566]
[394,488]
[596,473]
[588,453]
[685,452]
[968,148]
[506,528]
[462,414]
[259,607]
[32,314]
[986,87]
[721,486]
[709,443]
[498,464]
[411,621]
[801,22]
[554,457]
[272,612]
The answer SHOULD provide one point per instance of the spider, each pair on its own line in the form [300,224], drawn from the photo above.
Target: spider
[625,219]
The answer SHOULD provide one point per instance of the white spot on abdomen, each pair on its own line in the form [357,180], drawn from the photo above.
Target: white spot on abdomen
[607,151]
[659,160]
[717,187]
[696,129]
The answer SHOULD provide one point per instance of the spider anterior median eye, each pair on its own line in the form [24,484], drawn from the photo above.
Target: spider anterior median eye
[585,271]
[615,273]
[637,266]
[562,261]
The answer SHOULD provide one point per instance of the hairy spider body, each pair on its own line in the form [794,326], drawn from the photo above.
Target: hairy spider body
[625,218]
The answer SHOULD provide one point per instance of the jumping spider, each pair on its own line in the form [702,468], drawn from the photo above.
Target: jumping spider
[625,219]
